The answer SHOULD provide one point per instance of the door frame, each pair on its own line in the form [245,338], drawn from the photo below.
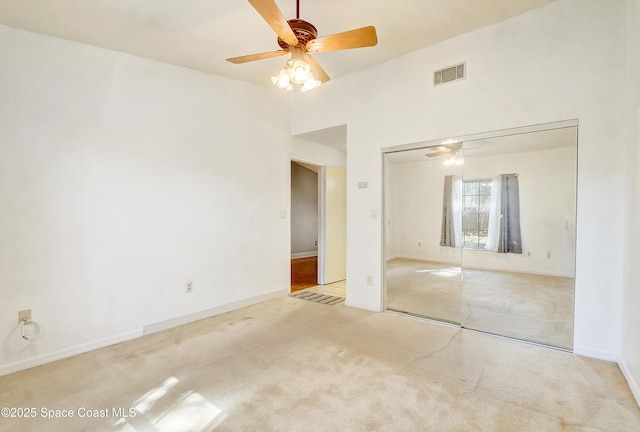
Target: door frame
[321,204]
[562,124]
[333,224]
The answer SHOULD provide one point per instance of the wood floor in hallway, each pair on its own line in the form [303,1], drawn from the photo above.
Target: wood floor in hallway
[304,273]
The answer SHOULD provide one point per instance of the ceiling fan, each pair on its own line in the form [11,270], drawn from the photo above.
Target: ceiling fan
[445,149]
[449,148]
[299,38]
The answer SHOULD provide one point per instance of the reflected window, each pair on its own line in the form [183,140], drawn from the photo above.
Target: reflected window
[476,205]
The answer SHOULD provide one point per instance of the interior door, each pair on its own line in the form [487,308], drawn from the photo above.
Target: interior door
[422,265]
[519,281]
[334,225]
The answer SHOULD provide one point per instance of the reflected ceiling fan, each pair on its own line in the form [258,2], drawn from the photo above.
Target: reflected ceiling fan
[449,148]
[299,38]
[444,149]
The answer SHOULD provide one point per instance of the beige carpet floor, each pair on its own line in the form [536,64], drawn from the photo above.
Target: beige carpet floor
[294,365]
[535,308]
[425,288]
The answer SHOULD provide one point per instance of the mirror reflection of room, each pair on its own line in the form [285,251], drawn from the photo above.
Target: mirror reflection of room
[423,278]
[496,233]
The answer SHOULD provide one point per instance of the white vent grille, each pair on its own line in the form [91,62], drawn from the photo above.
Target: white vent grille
[448,74]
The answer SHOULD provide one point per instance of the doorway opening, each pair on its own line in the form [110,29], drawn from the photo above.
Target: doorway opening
[318,228]
[304,273]
[304,225]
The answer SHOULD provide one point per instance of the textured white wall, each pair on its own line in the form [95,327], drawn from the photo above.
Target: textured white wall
[547,198]
[547,181]
[120,180]
[543,66]
[415,191]
[630,318]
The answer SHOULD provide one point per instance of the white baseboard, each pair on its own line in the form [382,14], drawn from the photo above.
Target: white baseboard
[633,384]
[508,270]
[597,354]
[186,319]
[421,258]
[366,306]
[68,352]
[458,263]
[304,254]
[164,325]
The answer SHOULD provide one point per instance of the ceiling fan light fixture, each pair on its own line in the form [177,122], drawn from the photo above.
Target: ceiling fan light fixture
[297,71]
[282,80]
[454,160]
[310,84]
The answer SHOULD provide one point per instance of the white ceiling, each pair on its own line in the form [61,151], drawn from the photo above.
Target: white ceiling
[201,34]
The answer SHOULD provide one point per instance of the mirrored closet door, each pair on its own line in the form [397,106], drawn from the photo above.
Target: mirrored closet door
[480,231]
[423,258]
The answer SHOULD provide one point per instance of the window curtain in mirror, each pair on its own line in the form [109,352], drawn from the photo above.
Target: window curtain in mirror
[456,204]
[510,240]
[451,212]
[493,236]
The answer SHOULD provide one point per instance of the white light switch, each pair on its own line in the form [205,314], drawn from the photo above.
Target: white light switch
[283,214]
[374,214]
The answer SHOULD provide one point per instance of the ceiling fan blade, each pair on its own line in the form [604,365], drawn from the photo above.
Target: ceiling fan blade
[440,148]
[254,57]
[358,38]
[316,69]
[447,147]
[272,15]
[436,154]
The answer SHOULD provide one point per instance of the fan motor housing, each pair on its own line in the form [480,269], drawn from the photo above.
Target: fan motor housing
[303,30]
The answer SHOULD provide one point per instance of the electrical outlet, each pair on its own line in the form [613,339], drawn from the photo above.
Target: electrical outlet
[24,314]
[189,287]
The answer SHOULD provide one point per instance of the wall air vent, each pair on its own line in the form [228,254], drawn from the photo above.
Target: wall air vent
[448,74]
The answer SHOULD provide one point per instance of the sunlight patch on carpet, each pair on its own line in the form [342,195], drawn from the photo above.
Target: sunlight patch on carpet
[317,297]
